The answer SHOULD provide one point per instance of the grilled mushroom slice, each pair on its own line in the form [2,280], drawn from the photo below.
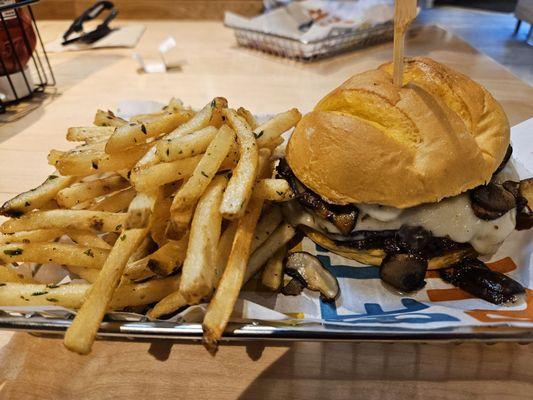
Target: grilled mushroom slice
[312,274]
[474,277]
[405,272]
[293,288]
[524,216]
[491,201]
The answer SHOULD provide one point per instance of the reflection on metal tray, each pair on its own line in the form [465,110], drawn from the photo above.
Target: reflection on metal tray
[144,329]
[337,42]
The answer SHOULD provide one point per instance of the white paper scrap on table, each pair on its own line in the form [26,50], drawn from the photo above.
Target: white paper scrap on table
[126,36]
[364,303]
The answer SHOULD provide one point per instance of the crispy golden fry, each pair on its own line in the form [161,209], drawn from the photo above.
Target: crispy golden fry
[133,134]
[72,295]
[66,219]
[89,134]
[198,273]
[80,192]
[169,257]
[242,180]
[167,305]
[229,286]
[180,223]
[272,277]
[204,171]
[108,118]
[248,117]
[274,143]
[11,275]
[162,262]
[273,190]
[274,127]
[279,237]
[161,216]
[185,146]
[35,198]
[209,115]
[57,253]
[87,238]
[88,163]
[149,159]
[115,202]
[222,303]
[88,274]
[223,250]
[160,174]
[85,205]
[140,210]
[82,332]
[267,224]
[146,247]
[39,235]
[173,106]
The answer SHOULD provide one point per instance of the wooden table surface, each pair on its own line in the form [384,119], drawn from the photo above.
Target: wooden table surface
[39,367]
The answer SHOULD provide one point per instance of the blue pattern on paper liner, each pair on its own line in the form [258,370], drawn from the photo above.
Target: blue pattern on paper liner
[374,313]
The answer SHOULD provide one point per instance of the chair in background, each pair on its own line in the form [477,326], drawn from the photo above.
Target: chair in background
[524,12]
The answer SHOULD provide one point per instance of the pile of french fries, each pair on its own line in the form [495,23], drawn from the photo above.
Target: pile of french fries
[173,208]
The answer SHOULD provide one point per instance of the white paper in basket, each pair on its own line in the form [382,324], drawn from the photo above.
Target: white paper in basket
[364,301]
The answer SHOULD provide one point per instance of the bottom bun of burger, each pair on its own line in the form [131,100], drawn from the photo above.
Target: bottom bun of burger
[376,256]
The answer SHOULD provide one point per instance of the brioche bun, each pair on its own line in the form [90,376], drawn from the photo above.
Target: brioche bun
[375,256]
[371,142]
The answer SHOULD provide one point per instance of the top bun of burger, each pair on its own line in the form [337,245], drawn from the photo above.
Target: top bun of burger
[371,142]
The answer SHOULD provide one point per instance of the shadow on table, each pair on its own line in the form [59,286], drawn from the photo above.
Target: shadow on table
[68,74]
[379,371]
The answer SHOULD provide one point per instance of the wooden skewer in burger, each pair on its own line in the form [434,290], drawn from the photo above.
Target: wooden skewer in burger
[410,178]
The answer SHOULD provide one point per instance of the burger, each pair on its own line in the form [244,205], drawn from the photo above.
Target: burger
[410,178]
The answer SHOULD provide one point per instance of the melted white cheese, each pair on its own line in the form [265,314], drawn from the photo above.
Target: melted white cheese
[452,217]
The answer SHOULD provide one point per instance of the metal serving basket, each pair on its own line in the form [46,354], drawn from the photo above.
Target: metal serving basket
[339,41]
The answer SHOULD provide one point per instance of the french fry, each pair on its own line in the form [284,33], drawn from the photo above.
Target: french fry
[267,224]
[198,272]
[82,332]
[274,143]
[87,238]
[88,163]
[222,303]
[89,134]
[57,253]
[39,235]
[146,247]
[140,210]
[242,180]
[108,118]
[248,117]
[273,190]
[185,146]
[173,106]
[279,237]
[54,156]
[223,250]
[272,277]
[88,274]
[180,222]
[72,295]
[210,114]
[162,262]
[167,305]
[66,219]
[115,202]
[161,216]
[80,192]
[11,275]
[221,306]
[35,198]
[204,171]
[146,179]
[133,134]
[169,257]
[274,127]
